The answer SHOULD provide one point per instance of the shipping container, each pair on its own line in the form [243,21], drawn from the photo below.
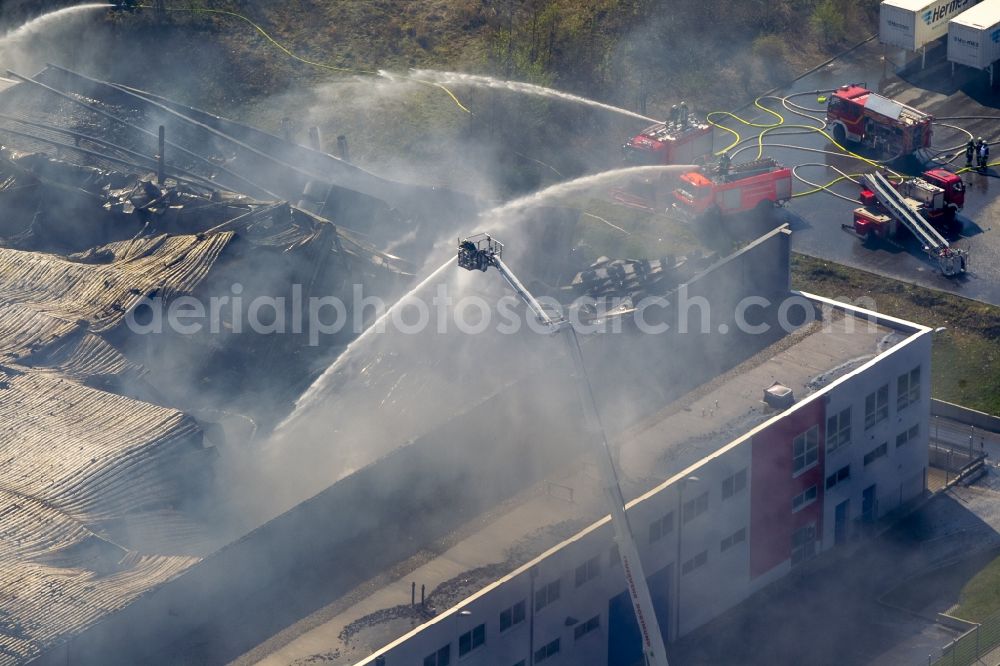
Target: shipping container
[974,36]
[912,24]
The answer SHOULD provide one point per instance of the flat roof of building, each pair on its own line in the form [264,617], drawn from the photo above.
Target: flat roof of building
[378,612]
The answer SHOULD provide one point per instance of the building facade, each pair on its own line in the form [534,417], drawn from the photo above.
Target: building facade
[808,479]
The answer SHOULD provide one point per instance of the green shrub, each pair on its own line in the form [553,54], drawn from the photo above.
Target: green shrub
[828,21]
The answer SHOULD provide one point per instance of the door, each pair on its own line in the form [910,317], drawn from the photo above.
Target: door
[868,504]
[840,522]
[624,639]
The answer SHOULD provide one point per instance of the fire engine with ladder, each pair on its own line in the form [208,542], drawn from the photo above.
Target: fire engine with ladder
[888,208]
[858,115]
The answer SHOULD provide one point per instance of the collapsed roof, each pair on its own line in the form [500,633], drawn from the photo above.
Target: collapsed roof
[98,488]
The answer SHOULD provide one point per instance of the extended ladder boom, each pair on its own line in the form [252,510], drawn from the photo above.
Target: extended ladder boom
[481,252]
[950,260]
[896,206]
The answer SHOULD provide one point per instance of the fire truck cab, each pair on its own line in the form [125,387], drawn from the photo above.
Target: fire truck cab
[938,195]
[892,129]
[952,187]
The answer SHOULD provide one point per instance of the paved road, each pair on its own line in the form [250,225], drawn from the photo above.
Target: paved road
[816,219]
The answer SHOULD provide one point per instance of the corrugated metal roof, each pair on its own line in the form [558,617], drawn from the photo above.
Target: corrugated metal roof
[78,463]
[45,297]
[74,461]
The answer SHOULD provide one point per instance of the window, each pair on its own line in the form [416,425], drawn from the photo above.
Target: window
[841,474]
[440,658]
[838,430]
[907,435]
[695,562]
[471,640]
[521,663]
[803,543]
[512,616]
[877,407]
[588,570]
[734,484]
[662,527]
[546,651]
[739,536]
[546,595]
[876,453]
[695,507]
[908,388]
[805,450]
[804,499]
[584,628]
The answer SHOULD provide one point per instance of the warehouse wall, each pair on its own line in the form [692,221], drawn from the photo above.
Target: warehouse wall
[766,453]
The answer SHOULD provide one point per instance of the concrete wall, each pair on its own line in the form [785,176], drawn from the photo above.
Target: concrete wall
[972,417]
[899,475]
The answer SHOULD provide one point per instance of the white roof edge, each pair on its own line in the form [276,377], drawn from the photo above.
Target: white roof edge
[984,15]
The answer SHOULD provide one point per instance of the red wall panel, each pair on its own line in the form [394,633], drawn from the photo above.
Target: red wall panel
[772,487]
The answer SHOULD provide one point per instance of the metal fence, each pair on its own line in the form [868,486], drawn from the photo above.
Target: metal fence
[971,646]
[955,447]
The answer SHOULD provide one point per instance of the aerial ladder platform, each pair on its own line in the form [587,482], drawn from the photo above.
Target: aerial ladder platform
[951,261]
[481,252]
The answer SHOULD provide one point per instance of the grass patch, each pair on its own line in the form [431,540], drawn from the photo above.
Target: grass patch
[965,357]
[980,597]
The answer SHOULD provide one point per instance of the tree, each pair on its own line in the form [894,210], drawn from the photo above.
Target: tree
[828,21]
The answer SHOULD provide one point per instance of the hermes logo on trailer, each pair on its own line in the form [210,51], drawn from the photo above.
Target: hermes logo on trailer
[944,10]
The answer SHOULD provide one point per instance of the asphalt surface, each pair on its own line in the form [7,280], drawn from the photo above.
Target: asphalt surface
[816,219]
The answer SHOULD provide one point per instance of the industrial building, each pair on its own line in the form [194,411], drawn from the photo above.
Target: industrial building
[810,478]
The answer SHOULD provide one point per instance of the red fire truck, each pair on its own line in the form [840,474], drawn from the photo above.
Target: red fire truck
[892,129]
[670,143]
[752,185]
[888,210]
[938,195]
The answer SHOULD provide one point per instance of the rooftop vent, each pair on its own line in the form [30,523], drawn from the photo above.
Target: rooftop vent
[779,396]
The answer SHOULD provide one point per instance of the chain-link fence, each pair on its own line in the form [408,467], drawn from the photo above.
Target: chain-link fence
[971,646]
[955,448]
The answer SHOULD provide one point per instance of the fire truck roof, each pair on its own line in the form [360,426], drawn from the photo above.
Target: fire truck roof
[880,104]
[671,131]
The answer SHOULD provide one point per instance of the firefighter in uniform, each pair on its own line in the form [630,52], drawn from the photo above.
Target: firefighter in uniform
[970,153]
[724,162]
[984,155]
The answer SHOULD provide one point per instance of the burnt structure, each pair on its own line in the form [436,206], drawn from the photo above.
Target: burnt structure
[106,483]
